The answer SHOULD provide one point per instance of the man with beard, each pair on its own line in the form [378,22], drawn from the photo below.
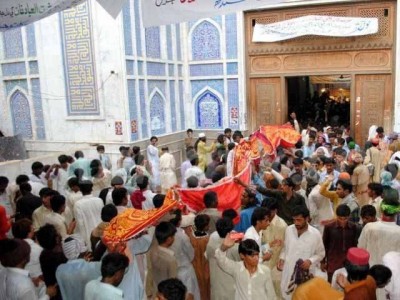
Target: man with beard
[302,241]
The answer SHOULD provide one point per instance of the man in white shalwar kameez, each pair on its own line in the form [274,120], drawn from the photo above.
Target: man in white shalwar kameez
[167,170]
[302,241]
[392,261]
[184,254]
[87,211]
[154,159]
[221,283]
[321,210]
[381,237]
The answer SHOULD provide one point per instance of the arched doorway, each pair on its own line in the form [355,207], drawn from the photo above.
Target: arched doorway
[367,60]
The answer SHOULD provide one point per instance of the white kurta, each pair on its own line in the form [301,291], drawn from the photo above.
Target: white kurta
[100,183]
[392,261]
[167,171]
[58,221]
[184,254]
[255,286]
[62,180]
[320,208]
[152,156]
[87,212]
[222,284]
[196,172]
[308,246]
[378,238]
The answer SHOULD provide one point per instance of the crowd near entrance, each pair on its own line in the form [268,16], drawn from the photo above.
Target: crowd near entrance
[336,80]
[321,99]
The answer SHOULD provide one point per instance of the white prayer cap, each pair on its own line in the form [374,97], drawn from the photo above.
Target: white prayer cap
[201,135]
[73,247]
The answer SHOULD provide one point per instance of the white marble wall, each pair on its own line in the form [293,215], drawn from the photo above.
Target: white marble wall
[108,44]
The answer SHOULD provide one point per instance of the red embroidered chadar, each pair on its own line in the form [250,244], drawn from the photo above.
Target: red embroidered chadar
[133,221]
[229,193]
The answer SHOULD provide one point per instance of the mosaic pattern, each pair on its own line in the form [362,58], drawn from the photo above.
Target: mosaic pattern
[126,14]
[205,42]
[157,115]
[153,42]
[31,40]
[37,105]
[159,84]
[208,111]
[132,107]
[143,111]
[21,115]
[138,27]
[182,104]
[206,70]
[155,69]
[33,68]
[231,36]
[233,103]
[12,84]
[14,69]
[13,47]
[79,62]
[232,68]
[172,101]
[198,85]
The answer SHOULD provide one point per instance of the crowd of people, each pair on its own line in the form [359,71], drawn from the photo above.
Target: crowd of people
[317,221]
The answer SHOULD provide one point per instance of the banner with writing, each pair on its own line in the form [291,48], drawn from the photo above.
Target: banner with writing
[161,12]
[16,13]
[314,25]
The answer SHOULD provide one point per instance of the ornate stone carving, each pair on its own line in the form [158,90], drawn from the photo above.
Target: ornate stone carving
[266,63]
[371,59]
[318,61]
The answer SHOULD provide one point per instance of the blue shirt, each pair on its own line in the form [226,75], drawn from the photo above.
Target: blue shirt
[80,163]
[257,180]
[245,219]
[132,284]
[73,276]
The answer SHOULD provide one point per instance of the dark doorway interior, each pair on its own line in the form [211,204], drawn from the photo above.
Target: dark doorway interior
[323,99]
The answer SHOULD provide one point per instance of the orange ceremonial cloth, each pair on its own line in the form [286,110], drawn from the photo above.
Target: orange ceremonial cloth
[133,221]
[229,193]
[244,152]
[271,137]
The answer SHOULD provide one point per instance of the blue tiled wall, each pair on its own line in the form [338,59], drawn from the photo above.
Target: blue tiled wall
[162,70]
[216,84]
[13,47]
[207,70]
[14,69]
[172,104]
[206,42]
[25,97]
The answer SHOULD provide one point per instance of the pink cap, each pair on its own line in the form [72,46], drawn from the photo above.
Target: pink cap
[358,256]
